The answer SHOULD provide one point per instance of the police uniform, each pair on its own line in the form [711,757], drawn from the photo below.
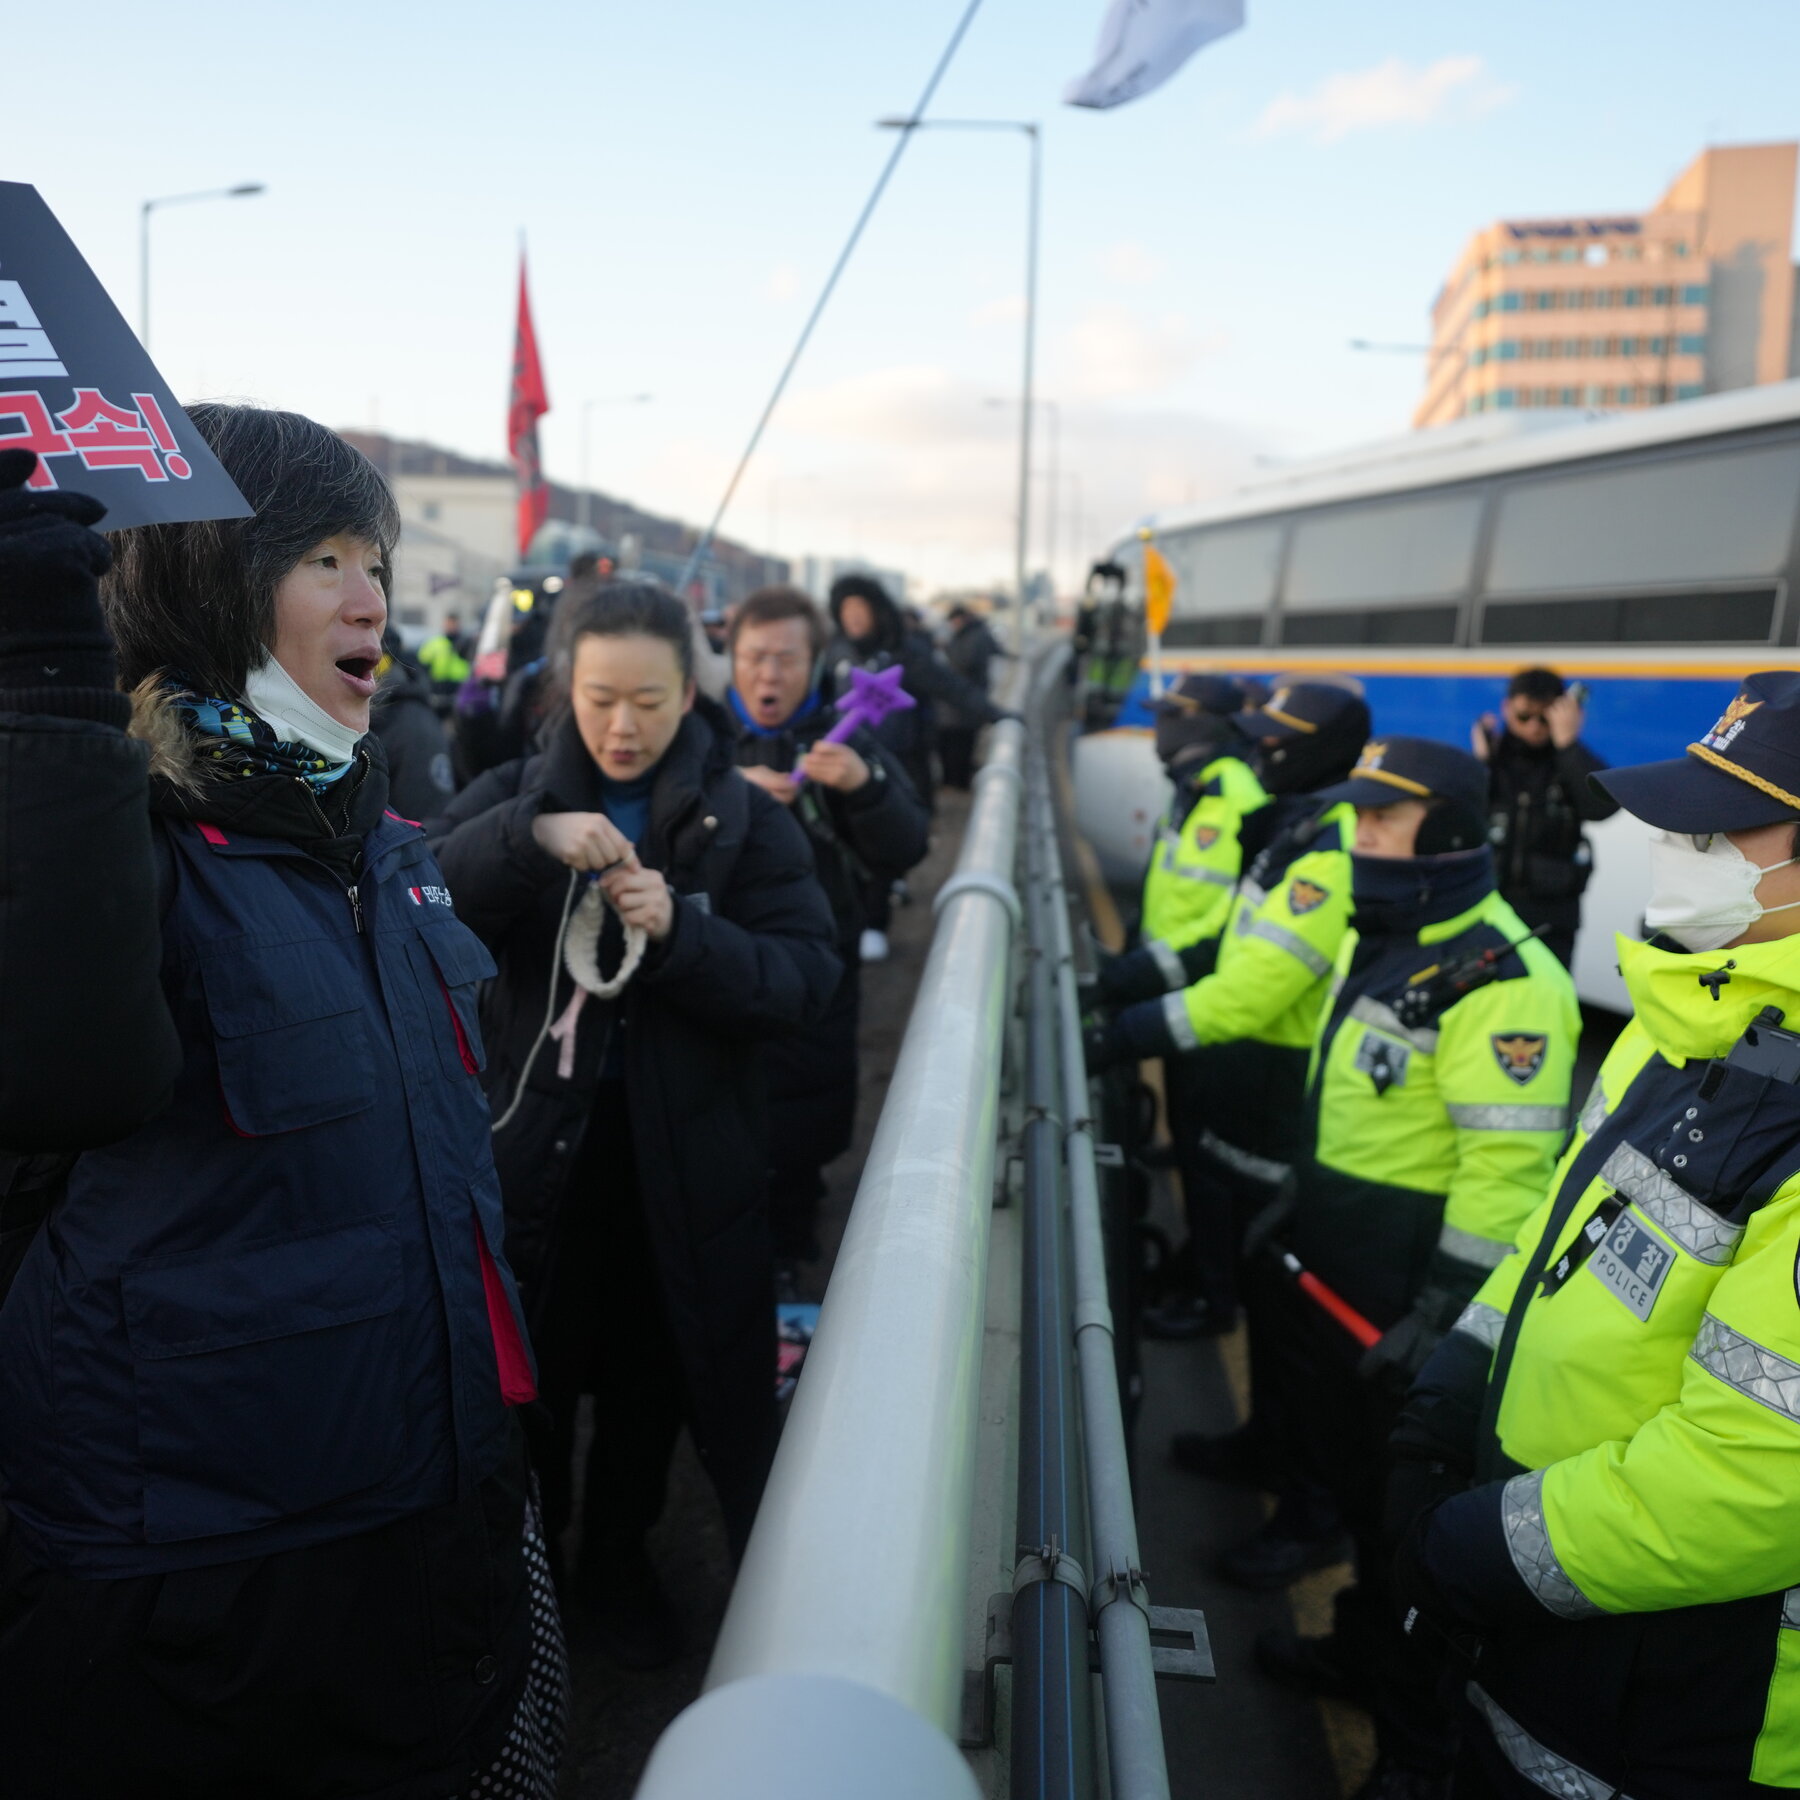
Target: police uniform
[1625,1389]
[1438,1097]
[1246,1027]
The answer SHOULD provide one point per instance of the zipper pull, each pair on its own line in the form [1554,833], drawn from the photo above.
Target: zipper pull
[355,908]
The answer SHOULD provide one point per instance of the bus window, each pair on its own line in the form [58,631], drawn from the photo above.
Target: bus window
[1741,618]
[1714,517]
[1225,570]
[1408,550]
[1384,625]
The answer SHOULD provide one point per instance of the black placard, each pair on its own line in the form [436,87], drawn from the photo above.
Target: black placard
[78,388]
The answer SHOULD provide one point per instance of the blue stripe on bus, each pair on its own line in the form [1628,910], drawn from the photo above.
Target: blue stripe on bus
[1630,719]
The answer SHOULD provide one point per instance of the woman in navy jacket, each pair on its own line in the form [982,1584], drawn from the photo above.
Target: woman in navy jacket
[266,1517]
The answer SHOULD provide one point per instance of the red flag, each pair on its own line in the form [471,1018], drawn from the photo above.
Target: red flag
[529,404]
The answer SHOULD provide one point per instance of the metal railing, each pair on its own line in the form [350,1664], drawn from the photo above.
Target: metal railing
[839,1668]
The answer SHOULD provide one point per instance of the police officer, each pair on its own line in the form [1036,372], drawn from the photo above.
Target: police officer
[1437,1101]
[1248,1023]
[1199,853]
[1620,1406]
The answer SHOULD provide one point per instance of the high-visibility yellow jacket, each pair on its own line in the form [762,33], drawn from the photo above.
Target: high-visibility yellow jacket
[1281,940]
[1198,857]
[1638,1576]
[441,660]
[1434,1137]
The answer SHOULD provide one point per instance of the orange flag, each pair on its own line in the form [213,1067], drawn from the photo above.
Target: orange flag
[1159,590]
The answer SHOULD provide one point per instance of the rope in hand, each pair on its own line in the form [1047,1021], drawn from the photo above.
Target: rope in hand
[578,951]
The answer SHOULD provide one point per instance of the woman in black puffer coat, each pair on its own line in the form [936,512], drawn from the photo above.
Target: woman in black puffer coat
[632,1151]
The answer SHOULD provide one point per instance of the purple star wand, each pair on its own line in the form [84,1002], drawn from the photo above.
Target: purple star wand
[870,699]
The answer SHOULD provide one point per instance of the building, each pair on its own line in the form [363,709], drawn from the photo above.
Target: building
[457,518]
[1625,310]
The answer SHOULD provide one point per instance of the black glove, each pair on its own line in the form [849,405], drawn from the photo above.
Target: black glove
[55,653]
[1396,1357]
[1131,1036]
[1130,976]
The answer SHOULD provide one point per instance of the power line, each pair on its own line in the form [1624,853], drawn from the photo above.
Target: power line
[831,281]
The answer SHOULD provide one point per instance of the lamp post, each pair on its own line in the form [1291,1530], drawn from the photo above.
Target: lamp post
[1053,477]
[587,406]
[1034,136]
[242,191]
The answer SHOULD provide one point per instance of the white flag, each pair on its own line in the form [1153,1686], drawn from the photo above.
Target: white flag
[1143,42]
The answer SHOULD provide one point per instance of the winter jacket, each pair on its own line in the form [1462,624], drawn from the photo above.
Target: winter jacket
[750,953]
[1539,799]
[878,833]
[278,1313]
[970,654]
[420,781]
[925,675]
[1625,1393]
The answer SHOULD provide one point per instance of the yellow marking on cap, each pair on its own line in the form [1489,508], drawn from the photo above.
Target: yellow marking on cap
[1755,781]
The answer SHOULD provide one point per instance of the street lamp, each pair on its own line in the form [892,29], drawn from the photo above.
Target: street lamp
[1051,520]
[1032,132]
[587,406]
[242,191]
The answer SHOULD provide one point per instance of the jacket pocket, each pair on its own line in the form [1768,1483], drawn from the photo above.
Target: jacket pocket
[454,966]
[267,1381]
[292,1044]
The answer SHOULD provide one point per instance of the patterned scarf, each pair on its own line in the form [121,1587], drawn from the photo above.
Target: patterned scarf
[235,744]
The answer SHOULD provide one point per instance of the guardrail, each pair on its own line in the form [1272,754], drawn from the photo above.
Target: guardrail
[839,1667]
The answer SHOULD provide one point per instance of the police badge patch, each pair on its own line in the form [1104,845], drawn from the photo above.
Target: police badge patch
[1306,896]
[1519,1054]
[1205,836]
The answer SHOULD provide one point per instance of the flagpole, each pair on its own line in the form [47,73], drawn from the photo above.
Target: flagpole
[705,539]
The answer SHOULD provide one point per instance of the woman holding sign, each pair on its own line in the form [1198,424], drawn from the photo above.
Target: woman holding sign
[267,1526]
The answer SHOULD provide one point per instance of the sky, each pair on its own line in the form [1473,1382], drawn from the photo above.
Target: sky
[685,172]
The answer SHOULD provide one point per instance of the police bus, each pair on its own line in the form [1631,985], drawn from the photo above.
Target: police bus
[1651,556]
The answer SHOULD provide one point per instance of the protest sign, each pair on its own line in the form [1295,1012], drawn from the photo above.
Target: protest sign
[78,388]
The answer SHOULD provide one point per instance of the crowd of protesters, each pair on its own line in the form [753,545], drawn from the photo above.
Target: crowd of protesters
[396,1050]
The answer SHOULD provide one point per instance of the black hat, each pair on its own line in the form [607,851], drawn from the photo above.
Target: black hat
[1744,773]
[1303,710]
[1413,768]
[1218,694]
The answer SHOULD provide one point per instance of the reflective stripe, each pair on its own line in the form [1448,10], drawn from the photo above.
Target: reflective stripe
[1259,1168]
[1508,1118]
[1251,895]
[1696,1228]
[1594,1111]
[1485,1253]
[1170,839]
[1533,1555]
[1742,1363]
[1378,1013]
[1181,1027]
[1482,1322]
[1541,1766]
[1296,946]
[1198,872]
[1168,962]
[1790,1610]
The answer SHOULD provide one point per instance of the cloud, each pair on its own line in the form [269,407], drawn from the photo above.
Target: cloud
[783,282]
[1129,264]
[1393,92]
[1008,310]
[1112,352]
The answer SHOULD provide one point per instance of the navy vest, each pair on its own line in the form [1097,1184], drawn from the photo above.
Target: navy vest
[280,1313]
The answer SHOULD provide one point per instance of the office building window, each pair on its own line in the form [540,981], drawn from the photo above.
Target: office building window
[1691,346]
[1628,396]
[1508,348]
[1660,296]
[1509,302]
[1693,296]
[1634,296]
[1689,390]
[1504,397]
[1571,396]
[1657,345]
[1594,393]
[1656,393]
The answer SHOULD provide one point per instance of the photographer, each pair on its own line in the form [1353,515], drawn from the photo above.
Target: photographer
[1539,799]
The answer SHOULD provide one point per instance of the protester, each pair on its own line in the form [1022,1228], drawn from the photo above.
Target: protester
[421,782]
[631,1134]
[873,634]
[267,1525]
[970,653]
[866,826]
[1540,797]
[1601,1463]
[1437,1103]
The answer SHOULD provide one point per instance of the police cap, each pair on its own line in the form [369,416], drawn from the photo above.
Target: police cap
[1743,773]
[1304,709]
[1414,768]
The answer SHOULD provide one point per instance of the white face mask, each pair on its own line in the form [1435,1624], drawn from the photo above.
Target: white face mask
[279,701]
[1703,889]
